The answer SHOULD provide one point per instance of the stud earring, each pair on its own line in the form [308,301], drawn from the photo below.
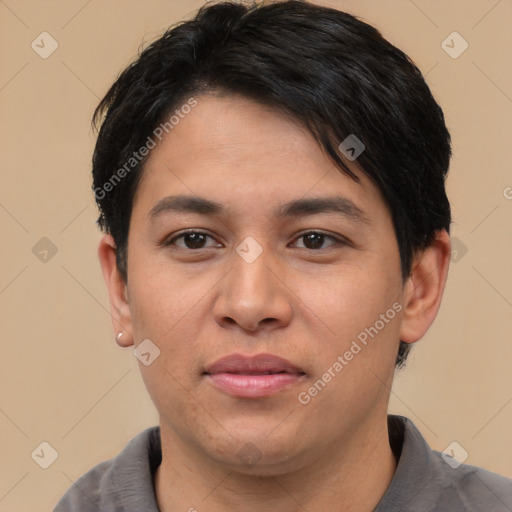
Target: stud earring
[119,336]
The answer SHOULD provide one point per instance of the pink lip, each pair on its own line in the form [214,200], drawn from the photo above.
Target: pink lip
[253,376]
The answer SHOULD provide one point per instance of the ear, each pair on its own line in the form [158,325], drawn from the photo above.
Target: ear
[424,288]
[117,291]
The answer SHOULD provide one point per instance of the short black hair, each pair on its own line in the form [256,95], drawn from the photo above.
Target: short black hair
[333,73]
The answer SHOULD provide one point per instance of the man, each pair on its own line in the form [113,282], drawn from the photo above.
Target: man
[270,179]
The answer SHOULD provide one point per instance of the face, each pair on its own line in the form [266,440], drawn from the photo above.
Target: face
[275,253]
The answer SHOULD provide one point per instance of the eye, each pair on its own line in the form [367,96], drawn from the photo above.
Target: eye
[315,239]
[191,240]
[196,240]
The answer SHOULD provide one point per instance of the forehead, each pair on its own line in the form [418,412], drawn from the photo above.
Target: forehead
[234,149]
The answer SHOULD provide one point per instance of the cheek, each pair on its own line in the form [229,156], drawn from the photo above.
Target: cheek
[160,297]
[164,310]
[354,368]
[357,314]
[162,306]
[349,299]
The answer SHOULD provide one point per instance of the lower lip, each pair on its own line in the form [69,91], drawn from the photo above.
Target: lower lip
[253,386]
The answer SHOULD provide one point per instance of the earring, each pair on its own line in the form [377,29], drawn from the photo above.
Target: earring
[119,336]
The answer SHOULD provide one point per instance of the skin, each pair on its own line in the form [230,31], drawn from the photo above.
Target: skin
[304,304]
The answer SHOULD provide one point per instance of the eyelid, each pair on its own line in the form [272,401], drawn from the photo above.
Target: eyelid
[337,239]
[171,240]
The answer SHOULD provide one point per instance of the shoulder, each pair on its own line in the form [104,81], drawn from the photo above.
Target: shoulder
[427,480]
[122,483]
[474,488]
[85,494]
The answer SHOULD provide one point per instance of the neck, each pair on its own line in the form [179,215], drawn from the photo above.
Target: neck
[353,475]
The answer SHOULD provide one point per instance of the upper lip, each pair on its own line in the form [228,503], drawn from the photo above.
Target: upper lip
[254,364]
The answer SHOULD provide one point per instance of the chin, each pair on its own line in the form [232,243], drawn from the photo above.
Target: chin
[253,453]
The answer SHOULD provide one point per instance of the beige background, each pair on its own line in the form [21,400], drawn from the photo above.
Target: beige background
[63,378]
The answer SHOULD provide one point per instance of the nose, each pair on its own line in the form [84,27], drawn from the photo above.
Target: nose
[254,295]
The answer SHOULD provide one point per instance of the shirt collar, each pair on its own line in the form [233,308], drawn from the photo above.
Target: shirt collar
[417,470]
[418,476]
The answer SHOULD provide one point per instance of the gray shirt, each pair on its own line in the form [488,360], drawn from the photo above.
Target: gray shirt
[423,482]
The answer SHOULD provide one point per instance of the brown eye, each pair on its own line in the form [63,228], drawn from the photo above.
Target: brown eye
[191,240]
[315,240]
[194,240]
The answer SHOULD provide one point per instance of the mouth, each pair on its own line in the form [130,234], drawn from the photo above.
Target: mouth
[253,376]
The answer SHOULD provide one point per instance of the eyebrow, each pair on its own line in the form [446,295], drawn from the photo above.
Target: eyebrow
[296,208]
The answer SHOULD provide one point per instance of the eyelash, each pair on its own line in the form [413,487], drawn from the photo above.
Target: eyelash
[337,241]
